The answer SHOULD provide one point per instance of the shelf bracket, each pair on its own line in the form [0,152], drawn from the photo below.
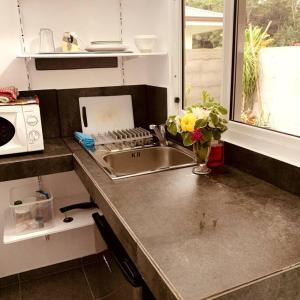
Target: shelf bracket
[121,38]
[23,45]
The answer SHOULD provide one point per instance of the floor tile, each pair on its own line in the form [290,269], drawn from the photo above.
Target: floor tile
[50,270]
[101,280]
[70,285]
[10,293]
[8,281]
[125,292]
[91,259]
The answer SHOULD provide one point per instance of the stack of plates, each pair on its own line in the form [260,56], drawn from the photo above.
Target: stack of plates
[106,46]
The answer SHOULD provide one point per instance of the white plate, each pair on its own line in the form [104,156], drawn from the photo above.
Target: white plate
[106,47]
[106,42]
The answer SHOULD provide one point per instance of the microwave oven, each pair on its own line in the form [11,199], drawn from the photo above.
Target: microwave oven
[20,129]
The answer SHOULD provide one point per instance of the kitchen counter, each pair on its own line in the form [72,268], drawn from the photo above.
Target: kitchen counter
[55,158]
[224,236]
[201,237]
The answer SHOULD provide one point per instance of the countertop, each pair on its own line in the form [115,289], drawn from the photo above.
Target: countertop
[55,158]
[198,237]
[191,237]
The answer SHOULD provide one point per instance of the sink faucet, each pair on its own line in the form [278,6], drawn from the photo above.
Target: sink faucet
[160,132]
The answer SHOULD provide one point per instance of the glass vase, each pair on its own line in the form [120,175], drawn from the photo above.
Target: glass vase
[201,152]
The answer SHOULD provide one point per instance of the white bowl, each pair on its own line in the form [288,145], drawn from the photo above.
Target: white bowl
[145,43]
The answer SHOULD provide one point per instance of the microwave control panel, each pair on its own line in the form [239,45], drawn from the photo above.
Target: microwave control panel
[33,125]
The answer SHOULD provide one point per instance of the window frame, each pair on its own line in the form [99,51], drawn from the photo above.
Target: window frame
[182,53]
[273,144]
[280,146]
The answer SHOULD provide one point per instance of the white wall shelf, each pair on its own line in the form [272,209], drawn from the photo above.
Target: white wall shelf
[86,60]
[117,21]
[90,54]
[81,218]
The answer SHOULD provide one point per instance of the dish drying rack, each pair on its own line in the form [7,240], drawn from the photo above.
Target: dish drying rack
[124,139]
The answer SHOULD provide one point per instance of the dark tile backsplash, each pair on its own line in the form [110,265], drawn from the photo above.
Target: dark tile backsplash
[68,102]
[60,108]
[157,104]
[149,104]
[283,175]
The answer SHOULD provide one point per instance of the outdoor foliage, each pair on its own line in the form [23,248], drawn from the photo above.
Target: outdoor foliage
[284,14]
[212,39]
[274,23]
[285,17]
[255,39]
[214,5]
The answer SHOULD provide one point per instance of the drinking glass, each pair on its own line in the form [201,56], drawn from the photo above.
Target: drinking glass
[46,41]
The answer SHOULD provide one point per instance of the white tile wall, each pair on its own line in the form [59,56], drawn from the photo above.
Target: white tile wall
[203,71]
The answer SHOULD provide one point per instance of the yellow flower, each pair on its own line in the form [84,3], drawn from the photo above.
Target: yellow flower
[188,122]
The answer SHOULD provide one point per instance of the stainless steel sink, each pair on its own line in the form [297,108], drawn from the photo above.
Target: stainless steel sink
[142,161]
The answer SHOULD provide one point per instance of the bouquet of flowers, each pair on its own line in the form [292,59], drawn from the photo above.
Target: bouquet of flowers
[199,125]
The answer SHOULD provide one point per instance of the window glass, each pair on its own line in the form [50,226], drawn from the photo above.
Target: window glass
[267,64]
[203,55]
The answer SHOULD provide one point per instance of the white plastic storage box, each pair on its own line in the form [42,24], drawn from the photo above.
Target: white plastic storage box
[31,209]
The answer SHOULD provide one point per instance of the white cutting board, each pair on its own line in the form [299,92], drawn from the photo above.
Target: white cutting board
[104,113]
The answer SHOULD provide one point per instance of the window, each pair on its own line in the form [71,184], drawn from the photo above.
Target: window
[266,89]
[203,49]
[265,106]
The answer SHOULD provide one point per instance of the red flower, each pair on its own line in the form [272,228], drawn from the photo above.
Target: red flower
[197,135]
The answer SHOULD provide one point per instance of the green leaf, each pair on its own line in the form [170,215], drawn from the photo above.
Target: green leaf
[171,118]
[216,134]
[202,153]
[187,139]
[214,118]
[207,135]
[172,128]
[222,110]
[201,123]
[222,127]
[205,96]
[208,105]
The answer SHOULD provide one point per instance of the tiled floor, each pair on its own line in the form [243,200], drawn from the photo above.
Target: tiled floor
[82,279]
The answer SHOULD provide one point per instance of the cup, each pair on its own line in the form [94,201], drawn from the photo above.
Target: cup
[46,41]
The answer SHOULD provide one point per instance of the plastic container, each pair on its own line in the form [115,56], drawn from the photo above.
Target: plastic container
[31,209]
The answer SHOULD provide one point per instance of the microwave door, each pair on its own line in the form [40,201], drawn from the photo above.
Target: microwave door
[7,131]
[13,137]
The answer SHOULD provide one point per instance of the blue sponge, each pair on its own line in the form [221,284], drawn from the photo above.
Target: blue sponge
[84,139]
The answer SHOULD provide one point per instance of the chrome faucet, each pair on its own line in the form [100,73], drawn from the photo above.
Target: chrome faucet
[160,132]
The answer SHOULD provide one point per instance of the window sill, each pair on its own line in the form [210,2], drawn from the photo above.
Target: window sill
[273,144]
